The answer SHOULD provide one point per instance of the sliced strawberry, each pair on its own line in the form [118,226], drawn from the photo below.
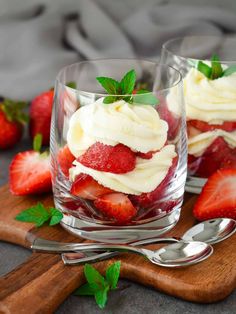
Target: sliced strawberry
[40,115]
[114,159]
[116,206]
[30,173]
[218,197]
[65,159]
[217,155]
[192,131]
[147,155]
[147,199]
[204,126]
[86,187]
[174,122]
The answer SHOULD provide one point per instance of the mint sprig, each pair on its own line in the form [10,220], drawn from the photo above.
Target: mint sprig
[124,90]
[39,214]
[214,71]
[99,286]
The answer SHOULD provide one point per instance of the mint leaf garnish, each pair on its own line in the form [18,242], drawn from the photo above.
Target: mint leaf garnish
[204,69]
[124,89]
[38,215]
[110,85]
[216,68]
[143,96]
[37,142]
[128,82]
[71,84]
[56,216]
[230,70]
[97,285]
[112,274]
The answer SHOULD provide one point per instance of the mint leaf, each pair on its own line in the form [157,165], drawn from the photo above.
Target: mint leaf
[36,214]
[109,99]
[86,289]
[128,82]
[112,274]
[71,84]
[144,97]
[37,142]
[94,277]
[230,70]
[110,85]
[204,69]
[56,216]
[216,68]
[101,297]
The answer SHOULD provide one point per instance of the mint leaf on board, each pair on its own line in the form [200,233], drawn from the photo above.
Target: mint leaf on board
[37,142]
[112,274]
[101,297]
[39,214]
[204,69]
[216,68]
[110,85]
[145,97]
[230,70]
[56,216]
[128,82]
[97,285]
[36,214]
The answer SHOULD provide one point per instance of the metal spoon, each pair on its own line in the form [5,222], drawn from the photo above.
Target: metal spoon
[179,254]
[210,231]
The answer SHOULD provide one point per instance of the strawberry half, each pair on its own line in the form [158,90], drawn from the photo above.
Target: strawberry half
[116,206]
[30,172]
[12,119]
[65,159]
[204,126]
[114,159]
[86,187]
[40,115]
[218,197]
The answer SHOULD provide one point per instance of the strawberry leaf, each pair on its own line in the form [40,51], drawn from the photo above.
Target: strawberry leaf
[56,216]
[37,142]
[128,82]
[112,274]
[216,68]
[230,70]
[110,85]
[36,214]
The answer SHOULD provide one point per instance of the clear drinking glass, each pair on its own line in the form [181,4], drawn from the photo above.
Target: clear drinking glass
[208,66]
[118,168]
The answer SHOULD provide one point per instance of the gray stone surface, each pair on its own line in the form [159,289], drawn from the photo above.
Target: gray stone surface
[131,298]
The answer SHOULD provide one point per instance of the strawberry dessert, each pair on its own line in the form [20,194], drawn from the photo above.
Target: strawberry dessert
[210,99]
[119,158]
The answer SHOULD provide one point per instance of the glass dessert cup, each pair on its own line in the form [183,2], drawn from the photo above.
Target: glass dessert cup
[209,81]
[119,161]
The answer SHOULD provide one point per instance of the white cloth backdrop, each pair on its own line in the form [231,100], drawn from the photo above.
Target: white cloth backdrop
[32,49]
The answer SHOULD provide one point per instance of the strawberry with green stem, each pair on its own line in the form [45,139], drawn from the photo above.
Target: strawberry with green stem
[12,120]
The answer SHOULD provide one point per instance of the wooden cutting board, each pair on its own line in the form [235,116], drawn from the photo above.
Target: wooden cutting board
[41,283]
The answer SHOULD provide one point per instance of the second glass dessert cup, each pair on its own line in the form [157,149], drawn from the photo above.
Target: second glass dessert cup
[118,149]
[208,66]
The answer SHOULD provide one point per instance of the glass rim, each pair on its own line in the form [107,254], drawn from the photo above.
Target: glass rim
[169,41]
[84,92]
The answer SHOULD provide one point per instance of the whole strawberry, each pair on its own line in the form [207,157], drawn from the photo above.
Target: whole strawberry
[40,115]
[12,119]
[30,171]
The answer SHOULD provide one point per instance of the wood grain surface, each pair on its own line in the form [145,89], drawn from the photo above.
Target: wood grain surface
[41,283]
